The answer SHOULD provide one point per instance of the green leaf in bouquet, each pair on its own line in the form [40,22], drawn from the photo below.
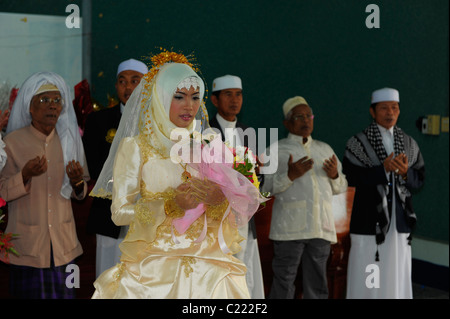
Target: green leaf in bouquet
[12,250]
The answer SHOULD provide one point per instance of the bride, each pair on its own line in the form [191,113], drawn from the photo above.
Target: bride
[182,224]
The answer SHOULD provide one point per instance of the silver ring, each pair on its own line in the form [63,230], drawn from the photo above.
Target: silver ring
[396,171]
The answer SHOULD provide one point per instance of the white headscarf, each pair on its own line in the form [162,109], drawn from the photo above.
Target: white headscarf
[66,127]
[147,112]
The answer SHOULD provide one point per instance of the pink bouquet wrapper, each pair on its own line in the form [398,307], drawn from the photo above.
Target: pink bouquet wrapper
[243,197]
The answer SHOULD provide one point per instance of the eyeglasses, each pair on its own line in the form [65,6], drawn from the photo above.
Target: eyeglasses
[302,117]
[47,101]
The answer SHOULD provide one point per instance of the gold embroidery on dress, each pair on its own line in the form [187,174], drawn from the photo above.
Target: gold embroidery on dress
[130,229]
[143,213]
[146,147]
[186,262]
[195,229]
[150,196]
[164,228]
[172,209]
[117,274]
[216,212]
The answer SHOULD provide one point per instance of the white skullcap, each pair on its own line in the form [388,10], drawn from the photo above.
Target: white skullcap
[47,87]
[133,65]
[227,82]
[293,102]
[385,94]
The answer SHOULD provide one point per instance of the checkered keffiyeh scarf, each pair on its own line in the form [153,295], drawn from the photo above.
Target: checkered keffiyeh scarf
[375,139]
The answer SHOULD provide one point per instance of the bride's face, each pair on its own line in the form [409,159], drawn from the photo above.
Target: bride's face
[184,106]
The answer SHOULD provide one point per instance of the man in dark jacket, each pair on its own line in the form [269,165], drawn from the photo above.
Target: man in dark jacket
[383,163]
[227,98]
[98,135]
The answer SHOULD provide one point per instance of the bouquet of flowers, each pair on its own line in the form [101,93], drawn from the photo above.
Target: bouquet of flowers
[6,247]
[245,162]
[234,173]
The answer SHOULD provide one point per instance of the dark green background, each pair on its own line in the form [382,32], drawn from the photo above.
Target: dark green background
[320,49]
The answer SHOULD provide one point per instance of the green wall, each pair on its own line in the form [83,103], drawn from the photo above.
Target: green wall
[47,7]
[320,49]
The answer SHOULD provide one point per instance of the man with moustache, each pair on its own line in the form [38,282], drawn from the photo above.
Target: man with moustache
[302,226]
[98,135]
[384,164]
[227,97]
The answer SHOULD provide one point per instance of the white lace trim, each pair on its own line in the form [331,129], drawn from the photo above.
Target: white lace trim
[189,82]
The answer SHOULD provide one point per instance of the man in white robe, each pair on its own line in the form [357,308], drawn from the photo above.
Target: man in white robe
[383,164]
[302,227]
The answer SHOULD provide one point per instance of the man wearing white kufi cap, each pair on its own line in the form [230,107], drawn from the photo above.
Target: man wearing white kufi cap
[46,167]
[302,227]
[384,164]
[385,94]
[129,74]
[227,98]
[98,135]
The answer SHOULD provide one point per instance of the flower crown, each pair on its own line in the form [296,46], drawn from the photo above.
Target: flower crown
[158,60]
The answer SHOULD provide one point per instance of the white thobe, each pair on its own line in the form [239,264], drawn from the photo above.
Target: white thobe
[390,278]
[249,253]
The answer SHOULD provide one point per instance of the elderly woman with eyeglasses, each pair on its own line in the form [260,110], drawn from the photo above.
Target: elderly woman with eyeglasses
[45,168]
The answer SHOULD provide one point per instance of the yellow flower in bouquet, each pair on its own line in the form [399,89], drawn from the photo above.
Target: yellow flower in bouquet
[244,162]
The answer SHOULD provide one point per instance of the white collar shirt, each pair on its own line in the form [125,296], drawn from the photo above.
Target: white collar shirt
[387,136]
[303,208]
[228,129]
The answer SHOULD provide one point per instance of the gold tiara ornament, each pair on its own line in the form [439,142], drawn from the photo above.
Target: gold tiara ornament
[167,56]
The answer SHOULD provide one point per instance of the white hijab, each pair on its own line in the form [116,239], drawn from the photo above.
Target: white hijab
[147,112]
[66,127]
